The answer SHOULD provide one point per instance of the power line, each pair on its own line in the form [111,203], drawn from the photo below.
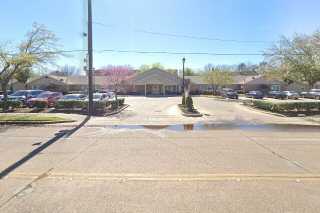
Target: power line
[144,52]
[188,36]
[200,37]
[179,53]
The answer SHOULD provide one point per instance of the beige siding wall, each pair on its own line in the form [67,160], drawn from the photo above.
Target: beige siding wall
[48,84]
[17,86]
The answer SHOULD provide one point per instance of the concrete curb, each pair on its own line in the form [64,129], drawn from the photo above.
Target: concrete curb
[266,112]
[33,122]
[194,115]
[118,111]
[223,99]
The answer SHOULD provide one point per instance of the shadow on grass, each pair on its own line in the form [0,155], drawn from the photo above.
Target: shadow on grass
[33,153]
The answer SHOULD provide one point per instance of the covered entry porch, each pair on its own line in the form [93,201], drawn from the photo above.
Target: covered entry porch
[157,89]
[156,82]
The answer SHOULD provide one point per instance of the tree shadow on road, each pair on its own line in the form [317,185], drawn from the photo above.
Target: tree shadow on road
[33,153]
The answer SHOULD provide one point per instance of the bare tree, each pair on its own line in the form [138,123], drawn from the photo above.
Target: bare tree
[296,59]
[23,76]
[146,67]
[217,77]
[69,70]
[38,48]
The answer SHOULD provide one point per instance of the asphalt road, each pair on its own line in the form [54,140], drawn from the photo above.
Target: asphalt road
[232,160]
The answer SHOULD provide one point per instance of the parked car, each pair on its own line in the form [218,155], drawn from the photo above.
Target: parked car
[111,94]
[1,97]
[24,95]
[73,97]
[288,95]
[99,97]
[273,94]
[255,94]
[50,97]
[314,93]
[229,93]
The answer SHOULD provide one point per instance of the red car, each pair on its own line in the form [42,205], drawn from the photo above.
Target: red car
[50,97]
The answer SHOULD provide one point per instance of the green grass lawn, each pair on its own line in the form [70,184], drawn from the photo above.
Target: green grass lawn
[34,118]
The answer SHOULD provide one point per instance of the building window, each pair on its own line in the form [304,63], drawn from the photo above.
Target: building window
[275,87]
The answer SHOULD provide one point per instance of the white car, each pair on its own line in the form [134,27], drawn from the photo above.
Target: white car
[99,97]
[111,94]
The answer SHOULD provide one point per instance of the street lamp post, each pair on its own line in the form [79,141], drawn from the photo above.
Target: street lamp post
[183,82]
[90,59]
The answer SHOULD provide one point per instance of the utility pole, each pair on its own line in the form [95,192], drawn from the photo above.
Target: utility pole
[90,59]
[183,86]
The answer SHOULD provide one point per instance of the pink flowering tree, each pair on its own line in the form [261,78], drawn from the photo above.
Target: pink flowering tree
[116,77]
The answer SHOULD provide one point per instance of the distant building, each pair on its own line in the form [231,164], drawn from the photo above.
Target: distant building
[60,83]
[155,82]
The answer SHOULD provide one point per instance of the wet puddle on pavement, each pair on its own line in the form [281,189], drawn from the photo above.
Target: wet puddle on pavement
[216,126]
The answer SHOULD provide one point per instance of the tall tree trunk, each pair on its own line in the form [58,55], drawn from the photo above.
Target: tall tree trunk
[5,96]
[116,97]
[213,89]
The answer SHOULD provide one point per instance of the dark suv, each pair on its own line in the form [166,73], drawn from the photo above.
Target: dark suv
[229,93]
[255,94]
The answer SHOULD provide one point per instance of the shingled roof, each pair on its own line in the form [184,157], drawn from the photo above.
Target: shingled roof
[155,76]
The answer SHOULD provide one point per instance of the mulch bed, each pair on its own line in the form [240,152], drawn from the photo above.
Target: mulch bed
[187,113]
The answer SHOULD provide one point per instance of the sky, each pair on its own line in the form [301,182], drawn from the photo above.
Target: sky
[122,25]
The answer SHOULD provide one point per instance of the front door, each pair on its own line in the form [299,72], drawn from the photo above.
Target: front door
[155,89]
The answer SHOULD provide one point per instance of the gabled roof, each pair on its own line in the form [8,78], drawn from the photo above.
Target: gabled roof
[196,79]
[244,79]
[155,76]
[71,80]
[237,79]
[261,80]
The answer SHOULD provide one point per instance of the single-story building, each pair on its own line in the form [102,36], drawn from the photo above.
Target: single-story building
[59,83]
[263,84]
[198,84]
[155,82]
[152,82]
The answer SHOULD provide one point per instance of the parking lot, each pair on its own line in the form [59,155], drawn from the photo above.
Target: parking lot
[150,158]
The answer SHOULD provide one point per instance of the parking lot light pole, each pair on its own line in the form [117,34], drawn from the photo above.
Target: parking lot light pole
[90,59]
[183,86]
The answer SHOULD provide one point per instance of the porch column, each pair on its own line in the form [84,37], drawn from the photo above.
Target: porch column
[164,90]
[145,90]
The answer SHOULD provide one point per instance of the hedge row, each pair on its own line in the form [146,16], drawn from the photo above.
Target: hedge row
[11,104]
[79,104]
[70,104]
[285,106]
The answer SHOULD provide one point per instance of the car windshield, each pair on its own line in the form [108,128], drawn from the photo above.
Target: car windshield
[19,93]
[44,95]
[68,97]
[35,93]
[97,96]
